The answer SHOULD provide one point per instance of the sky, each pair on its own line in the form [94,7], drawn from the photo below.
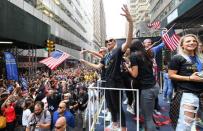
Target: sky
[115,23]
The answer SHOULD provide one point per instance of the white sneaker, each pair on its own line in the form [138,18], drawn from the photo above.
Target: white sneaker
[157,112]
[113,128]
[108,117]
[130,109]
[104,111]
[125,101]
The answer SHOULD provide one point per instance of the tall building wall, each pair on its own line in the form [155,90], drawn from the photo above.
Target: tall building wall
[159,9]
[140,12]
[71,21]
[99,23]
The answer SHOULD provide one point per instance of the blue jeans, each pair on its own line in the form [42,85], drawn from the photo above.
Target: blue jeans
[168,87]
[188,110]
[147,105]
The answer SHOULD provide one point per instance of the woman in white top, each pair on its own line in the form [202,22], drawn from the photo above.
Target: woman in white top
[26,112]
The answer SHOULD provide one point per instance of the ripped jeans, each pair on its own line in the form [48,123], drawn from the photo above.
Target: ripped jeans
[188,110]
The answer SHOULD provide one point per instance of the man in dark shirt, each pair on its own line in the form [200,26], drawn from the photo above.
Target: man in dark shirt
[82,105]
[53,100]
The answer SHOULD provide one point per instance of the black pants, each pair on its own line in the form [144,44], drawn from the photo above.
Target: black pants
[129,94]
[107,94]
[115,103]
[108,98]
[10,126]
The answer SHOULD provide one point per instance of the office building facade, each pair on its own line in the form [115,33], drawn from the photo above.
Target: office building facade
[140,13]
[71,22]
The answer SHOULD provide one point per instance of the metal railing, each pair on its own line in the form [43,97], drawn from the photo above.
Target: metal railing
[96,102]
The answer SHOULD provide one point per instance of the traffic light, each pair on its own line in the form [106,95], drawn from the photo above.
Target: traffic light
[50,45]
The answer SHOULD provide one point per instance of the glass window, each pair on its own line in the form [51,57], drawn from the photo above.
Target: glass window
[32,2]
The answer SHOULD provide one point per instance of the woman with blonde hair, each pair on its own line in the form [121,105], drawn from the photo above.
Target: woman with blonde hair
[184,69]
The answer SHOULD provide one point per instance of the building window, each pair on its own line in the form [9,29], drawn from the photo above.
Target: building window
[66,43]
[32,2]
[68,13]
[58,20]
[78,2]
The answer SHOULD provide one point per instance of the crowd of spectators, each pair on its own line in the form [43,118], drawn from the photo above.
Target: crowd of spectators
[39,103]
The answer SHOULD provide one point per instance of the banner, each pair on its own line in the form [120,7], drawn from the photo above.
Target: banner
[11,67]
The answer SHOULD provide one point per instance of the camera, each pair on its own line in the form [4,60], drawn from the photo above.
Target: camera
[33,123]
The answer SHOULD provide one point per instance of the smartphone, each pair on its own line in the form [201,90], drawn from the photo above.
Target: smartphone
[200,74]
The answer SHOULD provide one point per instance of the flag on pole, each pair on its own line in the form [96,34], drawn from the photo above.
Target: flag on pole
[171,39]
[155,25]
[55,59]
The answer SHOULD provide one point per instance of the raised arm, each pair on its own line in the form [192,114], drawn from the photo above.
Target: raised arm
[94,53]
[158,48]
[130,28]
[96,66]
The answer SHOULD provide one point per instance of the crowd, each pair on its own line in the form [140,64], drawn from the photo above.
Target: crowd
[51,102]
[38,104]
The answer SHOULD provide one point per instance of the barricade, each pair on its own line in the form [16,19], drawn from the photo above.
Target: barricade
[96,102]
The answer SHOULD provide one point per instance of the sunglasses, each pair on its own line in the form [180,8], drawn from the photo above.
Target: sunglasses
[108,41]
[60,107]
[58,127]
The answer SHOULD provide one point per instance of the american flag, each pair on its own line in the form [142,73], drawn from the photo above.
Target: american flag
[171,39]
[55,59]
[155,25]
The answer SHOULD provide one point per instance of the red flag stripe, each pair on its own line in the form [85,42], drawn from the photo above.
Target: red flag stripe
[61,60]
[171,39]
[171,45]
[155,25]
[176,38]
[47,59]
[167,40]
[52,62]
[58,62]
[174,41]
